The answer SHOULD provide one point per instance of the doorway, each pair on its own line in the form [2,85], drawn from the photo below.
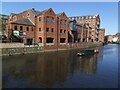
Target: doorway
[29,41]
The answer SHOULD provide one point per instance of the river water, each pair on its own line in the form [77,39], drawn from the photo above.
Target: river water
[62,69]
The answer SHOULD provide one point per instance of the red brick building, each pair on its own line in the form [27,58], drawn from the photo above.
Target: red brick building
[101,34]
[62,27]
[108,38]
[41,27]
[92,21]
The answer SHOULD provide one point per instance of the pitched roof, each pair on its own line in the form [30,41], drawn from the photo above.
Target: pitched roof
[3,16]
[59,14]
[24,22]
[13,13]
[39,12]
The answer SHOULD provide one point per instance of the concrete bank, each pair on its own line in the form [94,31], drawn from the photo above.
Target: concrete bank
[27,50]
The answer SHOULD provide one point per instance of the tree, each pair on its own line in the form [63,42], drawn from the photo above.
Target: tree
[2,25]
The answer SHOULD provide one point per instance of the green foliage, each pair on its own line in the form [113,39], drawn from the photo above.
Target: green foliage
[93,45]
[2,25]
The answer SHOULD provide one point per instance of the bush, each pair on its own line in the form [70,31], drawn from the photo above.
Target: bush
[93,45]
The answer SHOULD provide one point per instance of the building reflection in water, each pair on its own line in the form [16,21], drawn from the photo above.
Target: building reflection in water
[48,69]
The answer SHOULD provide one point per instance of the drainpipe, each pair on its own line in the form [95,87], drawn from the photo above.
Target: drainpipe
[57,31]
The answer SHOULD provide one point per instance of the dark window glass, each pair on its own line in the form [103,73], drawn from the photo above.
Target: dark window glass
[62,40]
[21,27]
[60,30]
[64,31]
[39,19]
[15,27]
[49,40]
[47,19]
[47,29]
[65,22]
[31,28]
[39,29]
[27,28]
[60,22]
[53,20]
[52,30]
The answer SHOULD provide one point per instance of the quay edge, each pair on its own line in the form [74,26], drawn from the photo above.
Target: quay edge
[28,50]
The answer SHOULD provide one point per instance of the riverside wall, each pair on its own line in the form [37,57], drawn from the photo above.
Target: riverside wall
[12,50]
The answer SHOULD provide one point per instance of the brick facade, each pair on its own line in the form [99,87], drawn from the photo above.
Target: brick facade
[92,21]
[45,28]
[108,38]
[41,27]
[62,27]
[101,34]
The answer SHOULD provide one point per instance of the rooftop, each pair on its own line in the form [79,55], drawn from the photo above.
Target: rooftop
[24,22]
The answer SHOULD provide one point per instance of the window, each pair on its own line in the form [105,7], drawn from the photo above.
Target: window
[64,31]
[27,28]
[28,14]
[60,22]
[14,18]
[15,27]
[65,22]
[93,20]
[52,30]
[40,19]
[47,29]
[62,40]
[31,28]
[49,40]
[47,19]
[60,30]
[21,27]
[39,29]
[40,40]
[53,20]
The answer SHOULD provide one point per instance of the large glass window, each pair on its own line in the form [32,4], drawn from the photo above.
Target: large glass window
[62,40]
[49,40]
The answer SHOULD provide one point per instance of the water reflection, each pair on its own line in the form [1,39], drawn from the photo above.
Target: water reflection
[46,69]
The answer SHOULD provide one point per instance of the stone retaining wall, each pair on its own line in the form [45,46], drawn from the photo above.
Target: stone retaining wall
[25,50]
[11,45]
